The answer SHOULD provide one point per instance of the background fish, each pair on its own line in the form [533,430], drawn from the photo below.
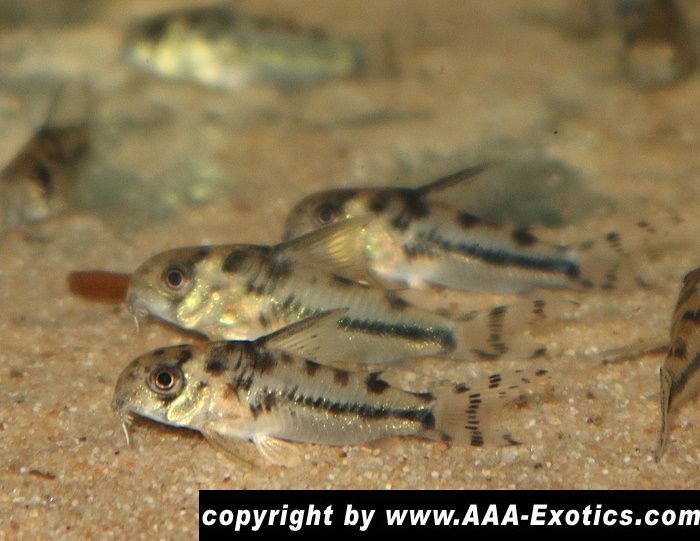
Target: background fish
[409,237]
[257,391]
[680,373]
[218,47]
[244,291]
[36,184]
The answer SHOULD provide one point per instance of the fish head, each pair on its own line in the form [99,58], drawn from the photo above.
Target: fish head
[331,206]
[145,40]
[162,385]
[174,43]
[176,286]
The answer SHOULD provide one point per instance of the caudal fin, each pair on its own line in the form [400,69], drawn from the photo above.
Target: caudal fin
[511,331]
[468,414]
[616,259]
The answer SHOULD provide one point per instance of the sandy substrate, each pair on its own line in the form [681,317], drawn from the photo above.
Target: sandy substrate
[490,80]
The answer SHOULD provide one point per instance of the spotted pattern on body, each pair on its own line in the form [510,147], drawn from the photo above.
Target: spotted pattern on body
[231,391]
[242,292]
[409,236]
[680,373]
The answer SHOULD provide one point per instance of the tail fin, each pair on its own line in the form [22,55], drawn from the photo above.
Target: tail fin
[510,331]
[608,263]
[614,259]
[467,414]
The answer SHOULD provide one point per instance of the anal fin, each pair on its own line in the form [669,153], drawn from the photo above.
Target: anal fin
[228,446]
[276,451]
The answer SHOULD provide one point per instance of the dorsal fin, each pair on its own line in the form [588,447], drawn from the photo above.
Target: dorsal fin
[339,247]
[452,179]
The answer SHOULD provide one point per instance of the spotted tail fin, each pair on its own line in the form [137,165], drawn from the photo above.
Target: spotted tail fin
[469,414]
[516,330]
[617,258]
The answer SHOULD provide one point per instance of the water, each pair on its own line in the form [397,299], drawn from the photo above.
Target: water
[448,84]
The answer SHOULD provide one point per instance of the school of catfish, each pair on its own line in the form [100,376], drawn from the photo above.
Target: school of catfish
[290,322]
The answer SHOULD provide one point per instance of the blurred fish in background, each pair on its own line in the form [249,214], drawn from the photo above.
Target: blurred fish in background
[219,47]
[35,185]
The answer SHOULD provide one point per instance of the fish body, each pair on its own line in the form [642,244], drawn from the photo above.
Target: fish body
[258,391]
[221,48]
[242,292]
[412,239]
[680,373]
[34,185]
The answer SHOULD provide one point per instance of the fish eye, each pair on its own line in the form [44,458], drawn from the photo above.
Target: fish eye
[175,277]
[164,379]
[326,214]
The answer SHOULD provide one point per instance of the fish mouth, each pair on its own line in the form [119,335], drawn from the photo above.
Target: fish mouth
[146,298]
[143,305]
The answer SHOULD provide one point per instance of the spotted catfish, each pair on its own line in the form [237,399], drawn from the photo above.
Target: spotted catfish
[222,48]
[243,291]
[35,185]
[258,391]
[680,374]
[409,237]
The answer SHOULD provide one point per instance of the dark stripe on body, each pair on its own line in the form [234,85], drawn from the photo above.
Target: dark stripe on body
[423,415]
[504,258]
[499,256]
[686,293]
[680,382]
[444,337]
[679,348]
[692,315]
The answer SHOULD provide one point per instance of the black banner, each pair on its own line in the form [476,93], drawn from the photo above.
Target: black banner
[244,513]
